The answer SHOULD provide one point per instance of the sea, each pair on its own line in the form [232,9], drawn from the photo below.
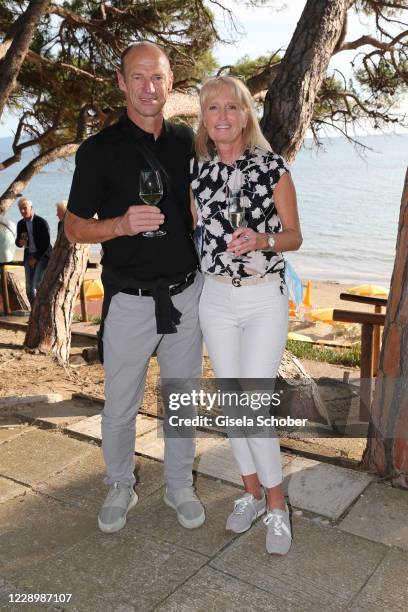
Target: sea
[349,202]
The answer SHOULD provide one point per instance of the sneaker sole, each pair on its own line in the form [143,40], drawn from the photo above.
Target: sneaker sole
[121,522]
[275,554]
[258,514]
[187,524]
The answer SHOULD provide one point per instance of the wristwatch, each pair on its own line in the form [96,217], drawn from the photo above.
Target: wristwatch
[271,241]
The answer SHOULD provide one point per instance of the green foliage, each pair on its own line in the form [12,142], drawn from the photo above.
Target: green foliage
[75,56]
[339,356]
[245,67]
[93,319]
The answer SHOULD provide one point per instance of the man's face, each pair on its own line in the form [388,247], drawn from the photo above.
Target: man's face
[26,210]
[147,81]
[60,212]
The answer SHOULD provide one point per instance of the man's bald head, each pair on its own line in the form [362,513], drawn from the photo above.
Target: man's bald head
[140,48]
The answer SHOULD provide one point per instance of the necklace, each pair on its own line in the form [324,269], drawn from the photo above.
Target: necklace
[231,161]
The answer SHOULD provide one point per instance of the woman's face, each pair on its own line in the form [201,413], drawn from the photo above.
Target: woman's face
[223,117]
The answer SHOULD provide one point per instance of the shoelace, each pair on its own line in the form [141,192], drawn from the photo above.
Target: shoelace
[241,503]
[277,523]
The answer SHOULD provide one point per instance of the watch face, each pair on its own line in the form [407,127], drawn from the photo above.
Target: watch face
[271,241]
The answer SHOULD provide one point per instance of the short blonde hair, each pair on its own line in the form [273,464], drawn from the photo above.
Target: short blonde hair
[62,204]
[251,134]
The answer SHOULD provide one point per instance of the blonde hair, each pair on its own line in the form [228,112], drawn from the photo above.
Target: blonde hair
[251,134]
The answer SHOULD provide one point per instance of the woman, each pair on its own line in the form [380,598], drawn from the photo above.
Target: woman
[244,304]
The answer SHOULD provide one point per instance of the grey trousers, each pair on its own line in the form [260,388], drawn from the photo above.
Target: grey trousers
[129,340]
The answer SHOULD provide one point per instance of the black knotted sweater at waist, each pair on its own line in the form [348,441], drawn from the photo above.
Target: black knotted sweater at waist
[161,290]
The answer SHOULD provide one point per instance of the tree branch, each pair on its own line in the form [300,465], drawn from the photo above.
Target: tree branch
[32,168]
[41,61]
[18,49]
[364,40]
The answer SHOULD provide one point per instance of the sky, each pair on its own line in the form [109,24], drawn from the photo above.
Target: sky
[266,29]
[263,30]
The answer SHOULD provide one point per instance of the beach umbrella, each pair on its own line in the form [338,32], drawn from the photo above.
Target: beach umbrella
[369,290]
[93,289]
[324,315]
[299,337]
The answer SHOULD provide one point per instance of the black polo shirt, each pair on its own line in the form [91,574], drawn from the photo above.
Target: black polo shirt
[106,182]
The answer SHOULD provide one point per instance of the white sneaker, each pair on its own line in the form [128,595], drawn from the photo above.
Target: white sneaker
[278,533]
[246,511]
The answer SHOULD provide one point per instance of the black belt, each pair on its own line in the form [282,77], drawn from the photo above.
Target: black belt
[173,289]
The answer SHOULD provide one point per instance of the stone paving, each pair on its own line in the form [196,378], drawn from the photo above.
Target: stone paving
[350,531]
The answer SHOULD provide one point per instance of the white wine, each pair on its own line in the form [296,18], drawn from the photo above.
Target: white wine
[236,218]
[151,192]
[151,198]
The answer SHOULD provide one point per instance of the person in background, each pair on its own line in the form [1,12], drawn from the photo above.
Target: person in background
[244,303]
[61,210]
[33,234]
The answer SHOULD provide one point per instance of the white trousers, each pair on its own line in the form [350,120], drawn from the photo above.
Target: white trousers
[245,330]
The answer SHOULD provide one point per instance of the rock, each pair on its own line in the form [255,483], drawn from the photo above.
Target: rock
[76,361]
[90,354]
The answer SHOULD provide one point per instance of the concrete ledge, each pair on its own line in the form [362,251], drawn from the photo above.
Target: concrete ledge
[15,400]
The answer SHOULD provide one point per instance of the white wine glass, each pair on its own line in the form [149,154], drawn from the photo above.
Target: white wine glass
[236,208]
[151,192]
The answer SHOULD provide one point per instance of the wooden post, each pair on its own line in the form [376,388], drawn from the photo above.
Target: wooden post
[366,371]
[376,343]
[4,290]
[84,313]
[368,321]
[378,304]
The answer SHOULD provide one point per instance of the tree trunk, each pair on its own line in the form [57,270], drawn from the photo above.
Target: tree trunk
[387,445]
[49,327]
[292,94]
[31,169]
[16,53]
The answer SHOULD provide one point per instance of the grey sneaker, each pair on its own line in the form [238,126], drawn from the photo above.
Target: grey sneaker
[278,533]
[246,511]
[190,512]
[120,499]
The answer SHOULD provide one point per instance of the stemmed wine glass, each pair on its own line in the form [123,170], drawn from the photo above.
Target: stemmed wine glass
[151,192]
[236,208]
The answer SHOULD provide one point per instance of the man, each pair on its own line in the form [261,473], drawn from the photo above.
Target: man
[61,208]
[151,283]
[33,233]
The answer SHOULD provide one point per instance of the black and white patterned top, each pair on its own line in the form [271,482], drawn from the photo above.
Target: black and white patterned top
[257,172]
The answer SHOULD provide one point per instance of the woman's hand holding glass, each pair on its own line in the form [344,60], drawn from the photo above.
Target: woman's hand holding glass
[236,202]
[245,239]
